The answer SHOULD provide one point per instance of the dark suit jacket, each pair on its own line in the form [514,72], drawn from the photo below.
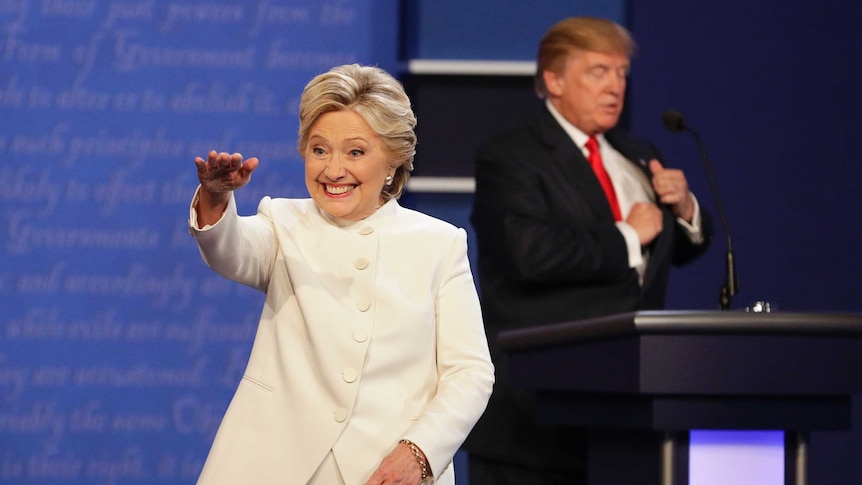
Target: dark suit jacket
[549,252]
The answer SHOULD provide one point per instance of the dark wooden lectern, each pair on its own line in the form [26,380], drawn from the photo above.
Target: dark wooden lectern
[639,381]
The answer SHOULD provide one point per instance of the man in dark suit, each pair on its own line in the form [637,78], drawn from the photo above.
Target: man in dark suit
[555,245]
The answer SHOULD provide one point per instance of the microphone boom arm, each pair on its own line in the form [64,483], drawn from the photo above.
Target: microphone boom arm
[673,121]
[730,286]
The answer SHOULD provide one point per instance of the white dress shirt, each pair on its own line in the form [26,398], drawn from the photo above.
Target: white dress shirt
[631,185]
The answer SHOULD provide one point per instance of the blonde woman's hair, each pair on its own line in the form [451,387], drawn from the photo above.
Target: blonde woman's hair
[381,101]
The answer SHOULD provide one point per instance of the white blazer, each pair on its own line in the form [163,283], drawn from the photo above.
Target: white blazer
[370,333]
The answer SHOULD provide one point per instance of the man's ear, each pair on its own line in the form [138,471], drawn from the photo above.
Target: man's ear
[553,82]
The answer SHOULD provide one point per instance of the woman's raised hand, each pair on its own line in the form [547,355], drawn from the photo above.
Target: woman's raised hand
[222,172]
[219,175]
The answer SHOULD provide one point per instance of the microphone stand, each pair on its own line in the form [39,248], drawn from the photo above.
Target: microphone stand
[730,287]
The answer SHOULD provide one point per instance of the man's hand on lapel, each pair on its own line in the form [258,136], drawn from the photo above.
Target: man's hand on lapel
[671,187]
[646,219]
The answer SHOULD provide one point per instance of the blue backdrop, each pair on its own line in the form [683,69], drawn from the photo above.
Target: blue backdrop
[119,349]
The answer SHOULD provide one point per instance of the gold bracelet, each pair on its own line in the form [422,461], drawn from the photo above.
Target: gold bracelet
[418,454]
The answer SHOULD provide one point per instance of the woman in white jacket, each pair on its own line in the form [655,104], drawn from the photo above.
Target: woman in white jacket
[370,363]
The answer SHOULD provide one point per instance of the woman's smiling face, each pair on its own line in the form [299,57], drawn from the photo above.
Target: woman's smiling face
[345,165]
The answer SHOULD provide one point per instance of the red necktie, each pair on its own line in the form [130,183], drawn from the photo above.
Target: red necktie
[595,159]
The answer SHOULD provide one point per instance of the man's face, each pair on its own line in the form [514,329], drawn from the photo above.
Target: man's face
[589,91]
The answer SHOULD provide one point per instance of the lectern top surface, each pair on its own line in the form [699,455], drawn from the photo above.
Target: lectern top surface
[682,322]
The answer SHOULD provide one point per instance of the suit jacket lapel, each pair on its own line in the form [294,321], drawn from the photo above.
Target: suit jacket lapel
[630,150]
[661,246]
[570,161]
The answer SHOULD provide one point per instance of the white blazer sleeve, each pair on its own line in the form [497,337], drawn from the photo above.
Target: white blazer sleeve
[241,249]
[466,374]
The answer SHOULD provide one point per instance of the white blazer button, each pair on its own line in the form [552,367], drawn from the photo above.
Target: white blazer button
[366,230]
[360,335]
[363,304]
[340,414]
[349,375]
[361,263]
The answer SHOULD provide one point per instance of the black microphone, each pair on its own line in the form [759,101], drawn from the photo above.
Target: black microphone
[673,121]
